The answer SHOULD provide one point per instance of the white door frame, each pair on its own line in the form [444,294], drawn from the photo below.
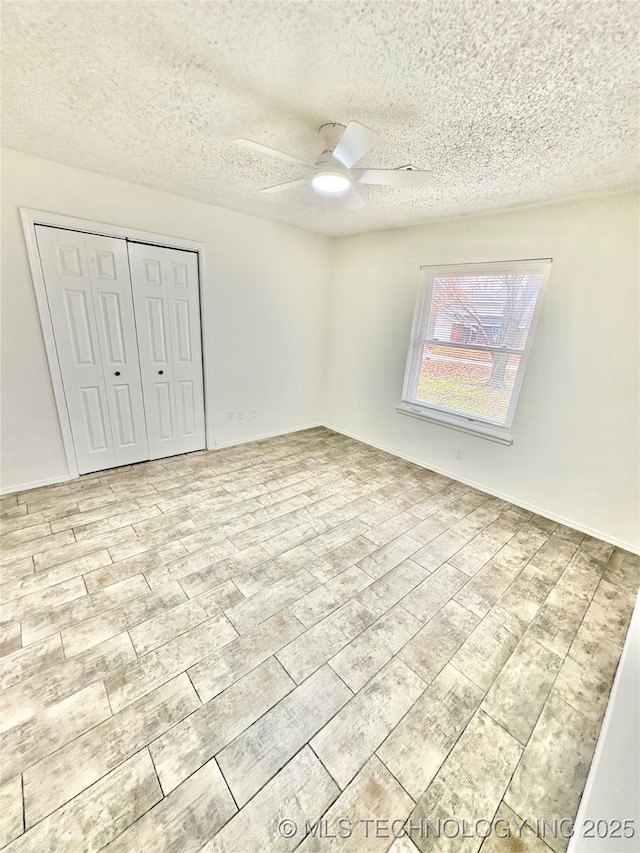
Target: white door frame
[31,218]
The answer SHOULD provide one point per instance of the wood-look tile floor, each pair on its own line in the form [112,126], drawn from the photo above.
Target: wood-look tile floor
[198,648]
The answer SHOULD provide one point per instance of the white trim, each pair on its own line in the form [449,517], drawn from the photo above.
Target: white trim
[207,354]
[25,487]
[474,347]
[479,429]
[224,444]
[576,525]
[31,218]
[74,223]
[29,222]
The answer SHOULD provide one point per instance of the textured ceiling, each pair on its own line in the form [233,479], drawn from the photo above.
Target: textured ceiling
[506,102]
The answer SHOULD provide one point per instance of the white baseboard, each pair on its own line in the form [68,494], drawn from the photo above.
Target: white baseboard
[24,487]
[223,444]
[569,522]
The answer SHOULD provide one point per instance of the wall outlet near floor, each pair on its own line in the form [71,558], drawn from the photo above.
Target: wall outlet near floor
[459,453]
[239,415]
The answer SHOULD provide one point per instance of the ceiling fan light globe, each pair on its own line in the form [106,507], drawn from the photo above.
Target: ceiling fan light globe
[330,183]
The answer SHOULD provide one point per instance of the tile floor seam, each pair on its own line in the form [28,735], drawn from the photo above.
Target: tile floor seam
[155,770]
[468,677]
[470,612]
[24,817]
[392,774]
[526,823]
[331,776]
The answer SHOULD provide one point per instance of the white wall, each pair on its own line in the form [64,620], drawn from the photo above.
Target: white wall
[576,432]
[265,284]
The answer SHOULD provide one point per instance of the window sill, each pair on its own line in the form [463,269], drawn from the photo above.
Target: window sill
[479,430]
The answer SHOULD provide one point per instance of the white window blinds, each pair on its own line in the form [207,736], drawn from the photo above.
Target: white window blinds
[471,336]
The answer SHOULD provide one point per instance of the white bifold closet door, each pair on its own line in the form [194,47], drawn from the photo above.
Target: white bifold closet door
[126,322]
[91,306]
[167,306]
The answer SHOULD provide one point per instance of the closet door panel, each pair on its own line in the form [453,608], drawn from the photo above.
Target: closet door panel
[167,305]
[154,346]
[184,308]
[113,299]
[68,283]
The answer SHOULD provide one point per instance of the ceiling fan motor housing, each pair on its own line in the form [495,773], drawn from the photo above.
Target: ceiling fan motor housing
[331,133]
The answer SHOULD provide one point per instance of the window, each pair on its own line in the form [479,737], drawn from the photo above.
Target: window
[472,332]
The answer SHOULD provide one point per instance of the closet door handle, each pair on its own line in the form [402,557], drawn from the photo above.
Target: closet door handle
[161,372]
[117,373]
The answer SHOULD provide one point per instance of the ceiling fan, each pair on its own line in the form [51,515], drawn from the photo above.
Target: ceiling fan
[332,173]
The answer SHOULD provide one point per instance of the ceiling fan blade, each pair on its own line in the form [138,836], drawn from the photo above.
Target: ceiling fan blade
[354,144]
[272,152]
[409,178]
[286,186]
[352,200]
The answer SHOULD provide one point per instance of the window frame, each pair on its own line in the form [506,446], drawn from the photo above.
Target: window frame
[457,419]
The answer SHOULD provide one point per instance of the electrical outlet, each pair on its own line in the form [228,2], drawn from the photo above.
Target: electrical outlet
[459,453]
[231,415]
[240,414]
[254,413]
